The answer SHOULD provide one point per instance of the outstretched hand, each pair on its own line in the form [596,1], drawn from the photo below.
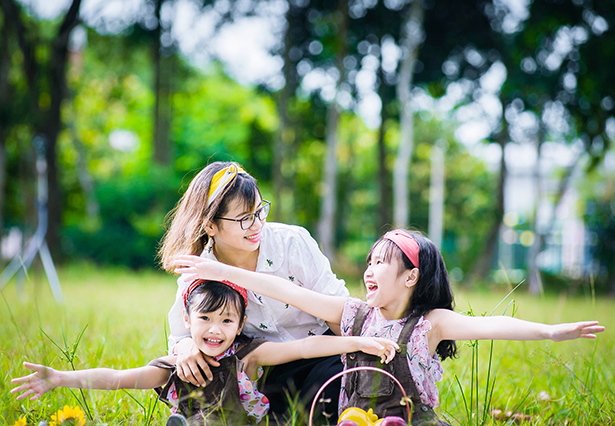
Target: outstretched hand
[575,330]
[384,348]
[36,384]
[195,267]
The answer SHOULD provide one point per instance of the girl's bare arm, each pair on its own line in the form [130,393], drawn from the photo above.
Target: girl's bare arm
[326,307]
[274,353]
[45,379]
[449,325]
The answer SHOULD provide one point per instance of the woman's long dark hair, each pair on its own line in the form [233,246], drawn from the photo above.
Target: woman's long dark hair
[432,290]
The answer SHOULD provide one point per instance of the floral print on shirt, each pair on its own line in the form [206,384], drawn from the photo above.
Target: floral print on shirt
[255,403]
[426,370]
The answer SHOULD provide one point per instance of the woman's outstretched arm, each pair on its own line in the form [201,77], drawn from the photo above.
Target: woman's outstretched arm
[326,307]
[45,379]
[449,325]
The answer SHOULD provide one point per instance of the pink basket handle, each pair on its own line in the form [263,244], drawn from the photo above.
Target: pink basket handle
[351,370]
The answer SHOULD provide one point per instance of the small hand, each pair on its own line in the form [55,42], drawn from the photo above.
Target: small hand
[194,267]
[36,384]
[384,348]
[191,361]
[575,330]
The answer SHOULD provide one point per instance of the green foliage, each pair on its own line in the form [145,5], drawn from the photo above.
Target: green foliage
[217,119]
[132,211]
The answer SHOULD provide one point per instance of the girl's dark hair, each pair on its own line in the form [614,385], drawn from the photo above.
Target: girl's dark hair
[215,296]
[432,290]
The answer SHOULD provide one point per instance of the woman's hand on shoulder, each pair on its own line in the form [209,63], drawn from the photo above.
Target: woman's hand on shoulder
[192,363]
[575,330]
[195,267]
[38,383]
[384,348]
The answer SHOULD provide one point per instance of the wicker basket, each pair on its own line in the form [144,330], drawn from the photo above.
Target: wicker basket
[351,370]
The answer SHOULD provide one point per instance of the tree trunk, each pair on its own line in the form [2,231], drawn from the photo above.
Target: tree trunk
[413,36]
[5,60]
[162,92]
[534,280]
[384,208]
[540,234]
[326,235]
[326,232]
[283,135]
[436,195]
[52,120]
[482,267]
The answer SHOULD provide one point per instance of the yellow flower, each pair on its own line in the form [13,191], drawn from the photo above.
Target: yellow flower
[20,422]
[68,416]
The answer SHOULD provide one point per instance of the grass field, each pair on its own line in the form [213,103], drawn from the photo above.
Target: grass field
[124,317]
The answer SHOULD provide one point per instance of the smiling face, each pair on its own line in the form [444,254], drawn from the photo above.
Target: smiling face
[214,331]
[388,285]
[229,237]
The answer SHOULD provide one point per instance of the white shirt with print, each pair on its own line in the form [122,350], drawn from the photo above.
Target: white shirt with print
[286,251]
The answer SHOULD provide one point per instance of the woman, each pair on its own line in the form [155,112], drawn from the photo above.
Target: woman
[222,217]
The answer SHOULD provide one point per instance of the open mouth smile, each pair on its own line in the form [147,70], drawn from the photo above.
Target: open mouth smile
[372,287]
[253,238]
[213,342]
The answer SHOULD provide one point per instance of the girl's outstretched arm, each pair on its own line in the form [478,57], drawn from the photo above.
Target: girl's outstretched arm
[45,379]
[274,353]
[326,307]
[449,325]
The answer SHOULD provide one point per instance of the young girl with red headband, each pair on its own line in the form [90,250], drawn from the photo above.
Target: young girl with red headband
[214,312]
[409,300]
[222,217]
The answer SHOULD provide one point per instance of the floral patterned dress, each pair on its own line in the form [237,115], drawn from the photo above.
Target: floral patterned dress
[426,369]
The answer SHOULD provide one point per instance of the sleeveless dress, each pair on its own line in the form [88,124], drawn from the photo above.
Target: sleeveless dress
[368,389]
[230,397]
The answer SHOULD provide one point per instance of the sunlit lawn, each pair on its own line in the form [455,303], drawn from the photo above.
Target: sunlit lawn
[125,316]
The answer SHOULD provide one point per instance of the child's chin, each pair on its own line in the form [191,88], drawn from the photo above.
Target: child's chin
[371,303]
[213,352]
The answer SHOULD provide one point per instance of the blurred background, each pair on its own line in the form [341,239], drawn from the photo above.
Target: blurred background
[488,125]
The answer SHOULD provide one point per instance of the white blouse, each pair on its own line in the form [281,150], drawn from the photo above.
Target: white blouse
[286,251]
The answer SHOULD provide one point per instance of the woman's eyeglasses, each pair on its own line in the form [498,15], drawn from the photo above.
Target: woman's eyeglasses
[248,220]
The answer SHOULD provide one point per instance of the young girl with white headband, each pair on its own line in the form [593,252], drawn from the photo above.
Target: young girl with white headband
[221,217]
[409,300]
[214,312]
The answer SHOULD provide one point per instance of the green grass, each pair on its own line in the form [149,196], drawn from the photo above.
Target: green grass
[125,315]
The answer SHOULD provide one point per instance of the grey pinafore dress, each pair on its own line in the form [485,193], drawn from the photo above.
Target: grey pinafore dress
[369,389]
[216,402]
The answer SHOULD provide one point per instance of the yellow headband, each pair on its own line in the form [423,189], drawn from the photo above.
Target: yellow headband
[221,179]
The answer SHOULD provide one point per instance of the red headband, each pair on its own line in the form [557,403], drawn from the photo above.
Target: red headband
[406,244]
[194,284]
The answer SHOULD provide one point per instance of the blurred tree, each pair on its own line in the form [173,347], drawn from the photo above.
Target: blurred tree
[328,210]
[286,134]
[599,216]
[412,36]
[44,62]
[5,65]
[555,73]
[162,88]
